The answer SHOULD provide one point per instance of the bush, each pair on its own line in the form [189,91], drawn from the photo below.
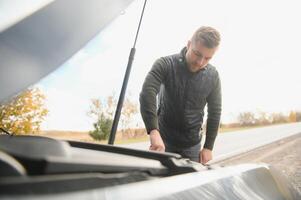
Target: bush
[102,128]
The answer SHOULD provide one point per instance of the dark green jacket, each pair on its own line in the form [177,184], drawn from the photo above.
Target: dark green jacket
[181,101]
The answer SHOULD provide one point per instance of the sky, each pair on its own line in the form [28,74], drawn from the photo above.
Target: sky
[258,59]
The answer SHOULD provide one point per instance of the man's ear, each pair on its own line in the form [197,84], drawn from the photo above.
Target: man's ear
[188,44]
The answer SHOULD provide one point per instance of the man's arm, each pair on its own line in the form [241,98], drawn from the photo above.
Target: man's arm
[148,103]
[214,101]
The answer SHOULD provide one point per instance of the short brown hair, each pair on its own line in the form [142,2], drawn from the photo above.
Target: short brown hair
[208,36]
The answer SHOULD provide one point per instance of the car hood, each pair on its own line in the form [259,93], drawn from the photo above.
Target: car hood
[39,38]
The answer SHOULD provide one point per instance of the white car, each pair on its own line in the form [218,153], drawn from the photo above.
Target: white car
[35,43]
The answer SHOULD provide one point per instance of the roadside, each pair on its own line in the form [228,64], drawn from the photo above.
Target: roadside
[127,137]
[284,155]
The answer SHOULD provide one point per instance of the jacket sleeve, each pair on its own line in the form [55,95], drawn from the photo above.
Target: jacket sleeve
[214,101]
[148,95]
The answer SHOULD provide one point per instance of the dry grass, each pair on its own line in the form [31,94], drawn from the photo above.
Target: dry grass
[127,136]
[67,135]
[229,129]
[122,137]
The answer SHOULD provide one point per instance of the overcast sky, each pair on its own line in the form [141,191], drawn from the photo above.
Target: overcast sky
[258,60]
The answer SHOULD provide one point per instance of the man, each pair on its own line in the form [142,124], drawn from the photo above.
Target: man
[184,84]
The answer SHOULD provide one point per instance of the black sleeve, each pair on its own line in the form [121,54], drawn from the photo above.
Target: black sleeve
[214,101]
[148,95]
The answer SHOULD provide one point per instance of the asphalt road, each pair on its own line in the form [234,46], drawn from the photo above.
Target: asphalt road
[283,156]
[233,143]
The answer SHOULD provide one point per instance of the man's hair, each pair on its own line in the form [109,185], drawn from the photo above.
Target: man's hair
[208,36]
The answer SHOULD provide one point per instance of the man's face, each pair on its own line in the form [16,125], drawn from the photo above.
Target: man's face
[198,55]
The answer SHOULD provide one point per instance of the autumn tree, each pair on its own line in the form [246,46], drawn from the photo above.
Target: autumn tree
[24,113]
[292,116]
[279,118]
[298,116]
[103,114]
[263,118]
[128,111]
[246,118]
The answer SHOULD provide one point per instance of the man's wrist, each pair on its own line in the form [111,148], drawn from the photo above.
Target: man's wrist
[206,149]
[154,132]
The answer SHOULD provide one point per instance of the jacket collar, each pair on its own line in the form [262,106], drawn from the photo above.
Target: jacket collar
[182,60]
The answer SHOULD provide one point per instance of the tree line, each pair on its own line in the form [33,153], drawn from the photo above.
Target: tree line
[25,112]
[262,118]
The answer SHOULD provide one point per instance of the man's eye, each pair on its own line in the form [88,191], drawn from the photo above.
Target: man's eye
[198,55]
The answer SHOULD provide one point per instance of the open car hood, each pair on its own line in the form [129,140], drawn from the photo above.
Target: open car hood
[38,40]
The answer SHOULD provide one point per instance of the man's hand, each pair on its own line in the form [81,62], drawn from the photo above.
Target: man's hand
[156,141]
[205,156]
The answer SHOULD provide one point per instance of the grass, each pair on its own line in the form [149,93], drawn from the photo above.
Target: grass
[132,140]
[221,131]
[146,138]
[225,130]
[85,137]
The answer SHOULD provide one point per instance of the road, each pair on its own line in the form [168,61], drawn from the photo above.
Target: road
[283,156]
[233,143]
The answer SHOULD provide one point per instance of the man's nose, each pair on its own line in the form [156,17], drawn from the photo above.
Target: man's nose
[201,61]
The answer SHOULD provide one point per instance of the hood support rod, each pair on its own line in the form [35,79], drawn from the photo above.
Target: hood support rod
[124,85]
